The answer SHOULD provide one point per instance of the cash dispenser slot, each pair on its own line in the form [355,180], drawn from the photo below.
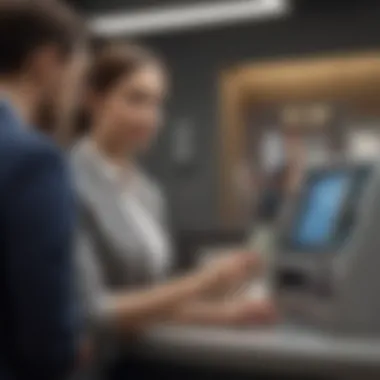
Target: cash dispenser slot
[293,280]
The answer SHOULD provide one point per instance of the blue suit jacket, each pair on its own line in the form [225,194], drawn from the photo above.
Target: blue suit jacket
[38,323]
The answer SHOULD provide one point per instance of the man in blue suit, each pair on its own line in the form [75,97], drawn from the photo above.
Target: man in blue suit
[39,329]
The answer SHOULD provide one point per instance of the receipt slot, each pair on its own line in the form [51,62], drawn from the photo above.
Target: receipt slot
[326,269]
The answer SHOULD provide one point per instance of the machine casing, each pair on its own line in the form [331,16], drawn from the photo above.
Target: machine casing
[333,286]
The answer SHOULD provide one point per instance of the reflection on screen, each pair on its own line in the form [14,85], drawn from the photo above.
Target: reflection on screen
[317,223]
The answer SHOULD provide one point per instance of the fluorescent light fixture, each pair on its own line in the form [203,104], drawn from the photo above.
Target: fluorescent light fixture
[170,19]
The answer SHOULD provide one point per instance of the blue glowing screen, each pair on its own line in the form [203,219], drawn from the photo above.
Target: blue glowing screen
[317,222]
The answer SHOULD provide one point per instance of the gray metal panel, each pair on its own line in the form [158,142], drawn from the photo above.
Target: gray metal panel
[358,269]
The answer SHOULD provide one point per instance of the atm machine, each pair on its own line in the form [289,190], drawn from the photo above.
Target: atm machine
[326,272]
[325,277]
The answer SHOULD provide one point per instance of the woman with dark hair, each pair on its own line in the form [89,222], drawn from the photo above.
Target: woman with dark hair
[125,251]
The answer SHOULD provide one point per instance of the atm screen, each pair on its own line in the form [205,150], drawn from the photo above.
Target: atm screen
[317,221]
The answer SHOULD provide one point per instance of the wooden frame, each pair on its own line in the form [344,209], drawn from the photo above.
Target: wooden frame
[350,78]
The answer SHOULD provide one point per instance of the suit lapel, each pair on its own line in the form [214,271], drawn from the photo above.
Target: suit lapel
[8,116]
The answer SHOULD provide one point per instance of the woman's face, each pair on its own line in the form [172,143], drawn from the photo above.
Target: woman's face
[132,111]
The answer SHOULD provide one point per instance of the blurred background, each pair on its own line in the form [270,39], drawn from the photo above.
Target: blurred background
[260,89]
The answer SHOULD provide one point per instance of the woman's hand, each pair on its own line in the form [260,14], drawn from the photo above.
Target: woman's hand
[260,312]
[241,312]
[229,271]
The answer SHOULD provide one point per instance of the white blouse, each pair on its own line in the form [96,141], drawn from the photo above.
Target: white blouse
[153,237]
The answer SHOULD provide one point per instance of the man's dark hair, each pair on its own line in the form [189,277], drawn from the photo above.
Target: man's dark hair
[26,25]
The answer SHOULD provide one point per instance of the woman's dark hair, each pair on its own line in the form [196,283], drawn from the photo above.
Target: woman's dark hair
[109,65]
[112,63]
[27,25]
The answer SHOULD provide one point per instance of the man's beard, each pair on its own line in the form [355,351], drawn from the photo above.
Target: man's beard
[46,118]
[61,125]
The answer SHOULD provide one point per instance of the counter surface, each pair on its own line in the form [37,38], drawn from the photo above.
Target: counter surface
[246,349]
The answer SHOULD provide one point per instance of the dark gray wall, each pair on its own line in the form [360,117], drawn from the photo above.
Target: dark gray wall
[196,60]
